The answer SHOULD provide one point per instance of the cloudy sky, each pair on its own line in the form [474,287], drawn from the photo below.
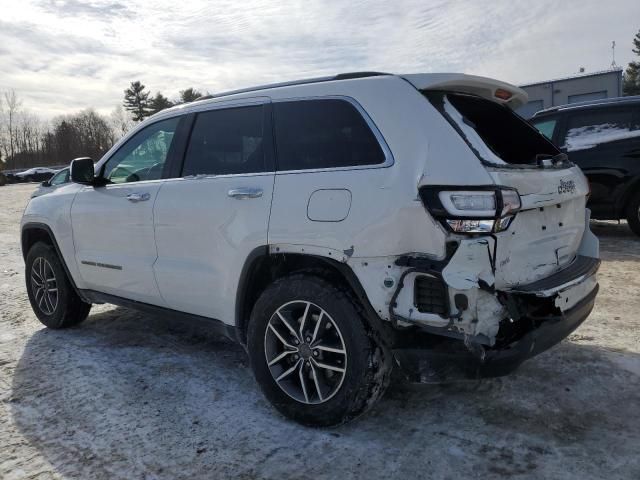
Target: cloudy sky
[61,56]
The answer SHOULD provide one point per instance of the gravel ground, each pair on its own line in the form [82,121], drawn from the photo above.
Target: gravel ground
[126,395]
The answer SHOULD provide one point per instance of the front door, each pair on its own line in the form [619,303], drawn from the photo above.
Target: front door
[208,221]
[113,225]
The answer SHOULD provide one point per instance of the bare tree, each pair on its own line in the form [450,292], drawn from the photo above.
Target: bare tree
[13,105]
[3,144]
[27,141]
[120,122]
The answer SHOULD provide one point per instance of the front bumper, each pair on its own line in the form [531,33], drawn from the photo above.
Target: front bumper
[430,358]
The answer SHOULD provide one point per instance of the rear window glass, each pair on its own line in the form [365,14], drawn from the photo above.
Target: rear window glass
[324,133]
[495,133]
[588,129]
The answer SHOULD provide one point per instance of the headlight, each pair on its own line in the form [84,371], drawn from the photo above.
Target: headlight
[486,210]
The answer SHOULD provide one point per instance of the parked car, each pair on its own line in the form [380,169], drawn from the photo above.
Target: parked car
[11,177]
[61,177]
[603,138]
[334,227]
[37,174]
[3,179]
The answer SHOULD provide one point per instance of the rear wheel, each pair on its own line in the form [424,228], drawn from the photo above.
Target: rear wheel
[52,297]
[312,353]
[633,214]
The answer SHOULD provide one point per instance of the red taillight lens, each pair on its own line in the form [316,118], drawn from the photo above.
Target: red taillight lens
[463,210]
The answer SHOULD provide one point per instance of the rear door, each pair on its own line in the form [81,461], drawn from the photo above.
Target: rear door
[113,224]
[216,213]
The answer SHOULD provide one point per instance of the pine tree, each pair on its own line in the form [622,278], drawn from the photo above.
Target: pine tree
[136,101]
[158,103]
[631,82]
[189,95]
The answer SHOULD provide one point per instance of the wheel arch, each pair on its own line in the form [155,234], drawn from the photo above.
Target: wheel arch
[33,232]
[264,266]
[631,190]
[36,232]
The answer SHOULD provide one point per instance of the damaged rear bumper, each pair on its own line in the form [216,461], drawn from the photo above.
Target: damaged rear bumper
[430,358]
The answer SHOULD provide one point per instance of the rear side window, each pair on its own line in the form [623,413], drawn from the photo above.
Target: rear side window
[323,133]
[495,133]
[587,129]
[228,141]
[546,127]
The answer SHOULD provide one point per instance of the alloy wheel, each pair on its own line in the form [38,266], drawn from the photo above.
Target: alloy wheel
[44,286]
[305,352]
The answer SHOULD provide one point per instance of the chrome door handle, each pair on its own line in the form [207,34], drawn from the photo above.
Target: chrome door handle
[138,197]
[242,193]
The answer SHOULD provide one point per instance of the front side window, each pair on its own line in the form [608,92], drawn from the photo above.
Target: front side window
[546,127]
[589,129]
[227,141]
[143,156]
[323,133]
[59,178]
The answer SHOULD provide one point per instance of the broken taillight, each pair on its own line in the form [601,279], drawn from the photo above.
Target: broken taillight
[473,211]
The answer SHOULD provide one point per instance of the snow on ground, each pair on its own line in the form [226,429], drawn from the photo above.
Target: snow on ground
[126,395]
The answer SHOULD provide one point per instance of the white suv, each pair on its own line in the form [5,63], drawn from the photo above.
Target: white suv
[334,227]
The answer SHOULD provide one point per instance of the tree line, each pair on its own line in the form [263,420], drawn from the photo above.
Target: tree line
[141,104]
[27,140]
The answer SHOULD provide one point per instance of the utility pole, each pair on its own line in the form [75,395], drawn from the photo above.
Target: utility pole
[614,66]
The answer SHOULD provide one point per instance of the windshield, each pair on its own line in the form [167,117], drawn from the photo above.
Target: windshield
[494,132]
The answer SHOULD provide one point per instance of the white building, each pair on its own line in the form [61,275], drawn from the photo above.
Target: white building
[578,88]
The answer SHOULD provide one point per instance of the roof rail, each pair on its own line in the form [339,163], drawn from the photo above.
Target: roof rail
[340,76]
[591,103]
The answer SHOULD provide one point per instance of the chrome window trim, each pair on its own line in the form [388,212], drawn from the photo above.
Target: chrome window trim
[204,176]
[389,160]
[262,100]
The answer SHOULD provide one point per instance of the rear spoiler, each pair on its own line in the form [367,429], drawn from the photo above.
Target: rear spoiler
[494,90]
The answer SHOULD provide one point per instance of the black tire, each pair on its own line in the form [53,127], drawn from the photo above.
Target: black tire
[67,309]
[368,365]
[633,214]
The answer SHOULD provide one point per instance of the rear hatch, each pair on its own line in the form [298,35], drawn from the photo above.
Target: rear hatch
[545,235]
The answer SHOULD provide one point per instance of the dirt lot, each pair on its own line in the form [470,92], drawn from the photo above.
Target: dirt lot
[126,395]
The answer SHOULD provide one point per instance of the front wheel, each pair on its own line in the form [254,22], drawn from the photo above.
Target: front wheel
[52,296]
[312,352]
[633,214]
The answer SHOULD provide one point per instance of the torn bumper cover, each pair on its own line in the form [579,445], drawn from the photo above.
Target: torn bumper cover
[541,314]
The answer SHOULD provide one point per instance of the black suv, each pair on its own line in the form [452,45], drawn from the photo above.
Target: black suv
[603,138]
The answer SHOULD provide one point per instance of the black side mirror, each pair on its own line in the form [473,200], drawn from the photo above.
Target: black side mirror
[82,171]
[45,183]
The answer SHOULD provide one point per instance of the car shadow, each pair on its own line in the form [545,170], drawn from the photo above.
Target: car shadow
[617,241]
[129,395]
